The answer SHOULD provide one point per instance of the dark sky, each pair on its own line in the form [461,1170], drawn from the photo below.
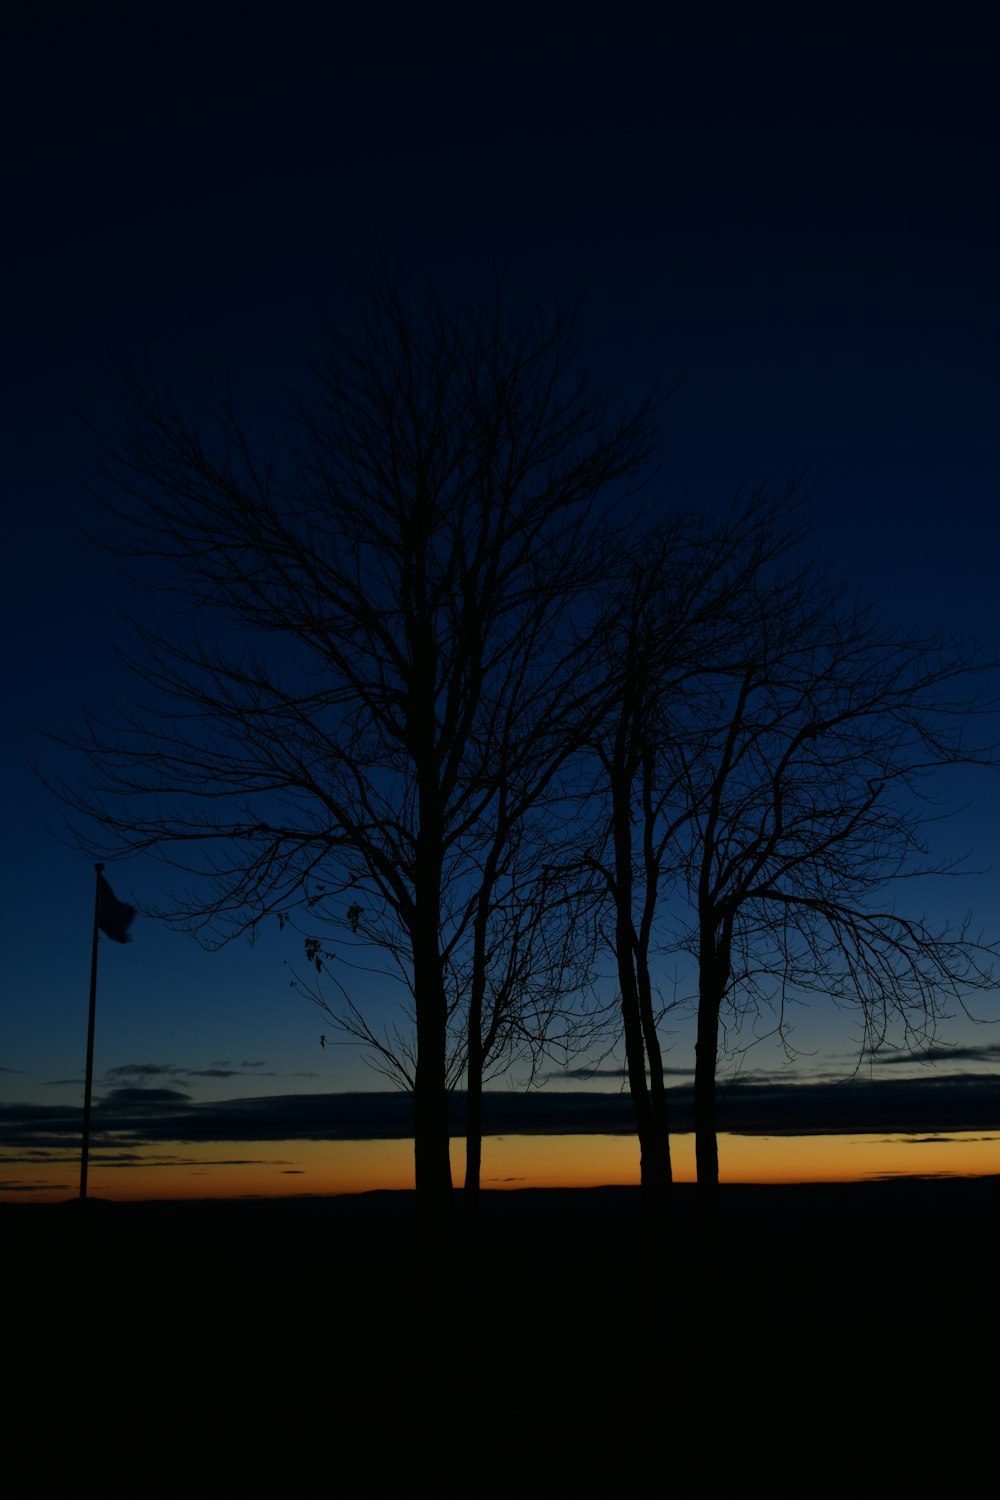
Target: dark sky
[796,213]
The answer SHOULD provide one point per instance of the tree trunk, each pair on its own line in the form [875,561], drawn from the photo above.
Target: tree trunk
[648,1103]
[660,1176]
[476,1048]
[473,1124]
[431,1142]
[713,976]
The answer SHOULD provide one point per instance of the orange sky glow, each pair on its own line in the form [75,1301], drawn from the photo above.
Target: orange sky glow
[279,1169]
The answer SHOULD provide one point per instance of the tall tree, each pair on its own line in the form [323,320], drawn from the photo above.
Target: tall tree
[674,616]
[518,982]
[806,776]
[372,686]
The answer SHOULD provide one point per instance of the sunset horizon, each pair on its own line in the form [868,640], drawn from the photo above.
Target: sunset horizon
[435,703]
[236,1148]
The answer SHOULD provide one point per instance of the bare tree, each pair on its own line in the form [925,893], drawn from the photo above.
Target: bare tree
[526,975]
[674,616]
[518,983]
[807,773]
[767,758]
[636,826]
[372,687]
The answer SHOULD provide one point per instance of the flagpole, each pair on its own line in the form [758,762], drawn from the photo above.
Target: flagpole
[90,1037]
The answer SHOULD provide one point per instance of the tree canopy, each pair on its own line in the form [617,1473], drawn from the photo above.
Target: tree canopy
[418,675]
[380,670]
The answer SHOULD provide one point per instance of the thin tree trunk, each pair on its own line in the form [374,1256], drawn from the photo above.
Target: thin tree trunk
[431,1141]
[661,1171]
[711,988]
[473,1120]
[650,1112]
[635,1053]
[476,1048]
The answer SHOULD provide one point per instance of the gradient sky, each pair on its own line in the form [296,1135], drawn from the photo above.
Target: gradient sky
[800,219]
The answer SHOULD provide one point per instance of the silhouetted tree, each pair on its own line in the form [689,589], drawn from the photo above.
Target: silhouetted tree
[806,773]
[673,617]
[372,687]
[526,974]
[637,823]
[518,983]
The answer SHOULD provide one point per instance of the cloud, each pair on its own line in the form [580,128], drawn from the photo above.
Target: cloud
[34,1187]
[619,1074]
[911,1176]
[40,1127]
[176,1070]
[129,1118]
[941,1052]
[145,1070]
[224,1073]
[932,1103]
[938,1140]
[144,1100]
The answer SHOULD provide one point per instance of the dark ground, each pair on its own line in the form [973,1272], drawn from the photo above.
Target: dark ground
[851,1328]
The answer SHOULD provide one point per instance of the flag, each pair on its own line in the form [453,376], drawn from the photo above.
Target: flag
[114,918]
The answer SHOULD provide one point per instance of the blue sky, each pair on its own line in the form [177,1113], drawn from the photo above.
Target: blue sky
[801,222]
